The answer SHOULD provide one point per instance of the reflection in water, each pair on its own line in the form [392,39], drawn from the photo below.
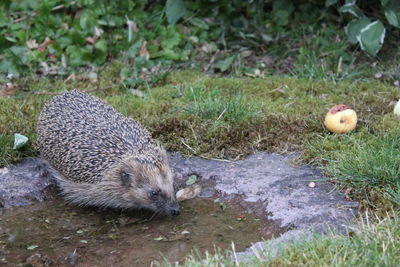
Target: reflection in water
[50,232]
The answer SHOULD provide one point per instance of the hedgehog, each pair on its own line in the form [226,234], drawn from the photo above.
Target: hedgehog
[101,158]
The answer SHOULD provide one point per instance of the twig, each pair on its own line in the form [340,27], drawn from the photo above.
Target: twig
[202,156]
[190,148]
[20,19]
[34,13]
[57,7]
[216,159]
[47,93]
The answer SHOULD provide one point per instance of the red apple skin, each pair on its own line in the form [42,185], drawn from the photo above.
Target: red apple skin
[340,119]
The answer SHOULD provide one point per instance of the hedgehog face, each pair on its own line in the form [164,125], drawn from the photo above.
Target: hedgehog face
[146,185]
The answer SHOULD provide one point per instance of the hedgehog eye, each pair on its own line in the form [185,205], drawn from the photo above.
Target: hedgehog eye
[125,179]
[155,194]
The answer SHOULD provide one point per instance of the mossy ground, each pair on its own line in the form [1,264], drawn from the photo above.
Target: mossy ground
[213,116]
[216,117]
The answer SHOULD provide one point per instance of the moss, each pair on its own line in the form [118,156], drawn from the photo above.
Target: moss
[283,114]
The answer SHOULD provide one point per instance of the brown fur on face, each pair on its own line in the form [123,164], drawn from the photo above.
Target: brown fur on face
[131,183]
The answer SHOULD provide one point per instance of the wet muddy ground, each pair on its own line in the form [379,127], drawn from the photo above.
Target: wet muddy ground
[48,233]
[260,197]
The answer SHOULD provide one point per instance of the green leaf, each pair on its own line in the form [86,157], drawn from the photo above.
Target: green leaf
[286,5]
[353,29]
[101,45]
[175,9]
[392,17]
[88,21]
[170,54]
[171,37]
[371,37]
[224,64]
[352,9]
[133,50]
[281,17]
[384,2]
[330,2]
[11,39]
[19,141]
[199,23]
[192,179]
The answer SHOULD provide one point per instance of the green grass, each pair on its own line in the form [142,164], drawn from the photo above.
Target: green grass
[211,105]
[365,163]
[375,163]
[212,116]
[369,244]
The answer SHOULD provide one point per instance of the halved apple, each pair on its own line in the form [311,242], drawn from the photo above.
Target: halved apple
[341,119]
[396,109]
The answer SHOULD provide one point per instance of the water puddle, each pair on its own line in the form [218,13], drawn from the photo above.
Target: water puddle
[49,233]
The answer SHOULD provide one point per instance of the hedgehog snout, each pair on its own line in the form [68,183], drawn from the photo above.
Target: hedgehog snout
[174,209]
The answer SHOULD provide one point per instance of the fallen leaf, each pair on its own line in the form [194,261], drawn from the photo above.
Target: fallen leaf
[9,90]
[136,92]
[32,44]
[191,180]
[143,51]
[222,205]
[19,141]
[348,192]
[91,40]
[46,42]
[92,76]
[241,218]
[98,31]
[188,192]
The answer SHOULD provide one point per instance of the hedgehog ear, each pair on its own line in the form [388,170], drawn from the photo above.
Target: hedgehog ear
[126,179]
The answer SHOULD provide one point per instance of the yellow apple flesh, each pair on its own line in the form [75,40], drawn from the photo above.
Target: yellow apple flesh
[396,109]
[340,119]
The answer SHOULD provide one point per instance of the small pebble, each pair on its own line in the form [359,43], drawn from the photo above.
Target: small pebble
[72,258]
[312,185]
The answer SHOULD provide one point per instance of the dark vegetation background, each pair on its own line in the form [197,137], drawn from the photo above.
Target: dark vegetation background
[306,39]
